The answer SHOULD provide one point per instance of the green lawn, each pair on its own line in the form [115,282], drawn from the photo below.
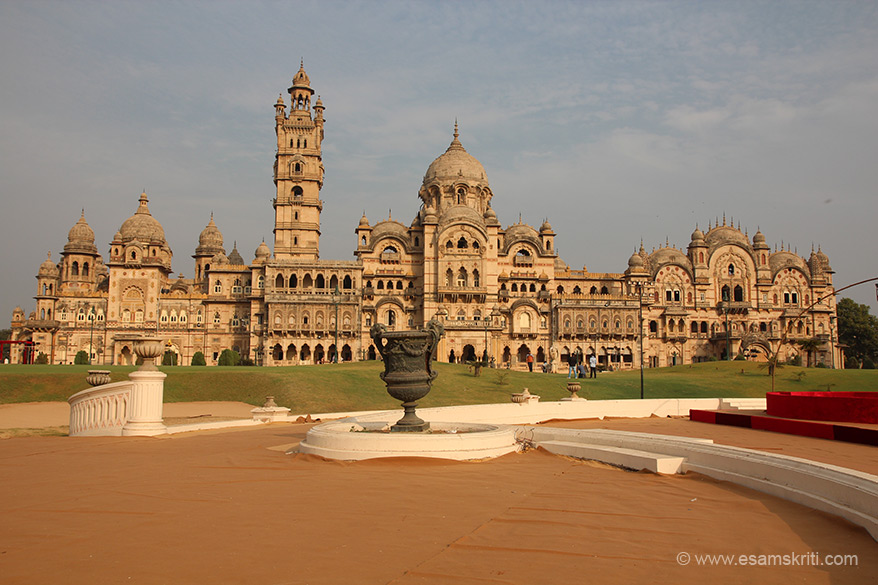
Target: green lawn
[356,386]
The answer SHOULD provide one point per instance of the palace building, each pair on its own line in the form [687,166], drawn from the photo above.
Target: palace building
[502,292]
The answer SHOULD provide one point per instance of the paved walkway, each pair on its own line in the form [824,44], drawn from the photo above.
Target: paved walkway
[231,507]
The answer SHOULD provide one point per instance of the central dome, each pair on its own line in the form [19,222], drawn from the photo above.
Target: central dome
[456,164]
[142,226]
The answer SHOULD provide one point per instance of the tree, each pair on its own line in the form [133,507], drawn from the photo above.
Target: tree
[198,359]
[809,346]
[81,357]
[858,331]
[5,334]
[41,358]
[229,358]
[169,359]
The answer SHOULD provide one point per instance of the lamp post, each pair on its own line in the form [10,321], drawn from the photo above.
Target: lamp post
[640,318]
[91,317]
[832,319]
[335,301]
[728,329]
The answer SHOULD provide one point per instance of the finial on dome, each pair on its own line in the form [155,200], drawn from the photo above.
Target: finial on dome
[724,218]
[49,255]
[456,133]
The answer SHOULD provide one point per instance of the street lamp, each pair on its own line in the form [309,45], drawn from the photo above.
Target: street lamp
[640,318]
[91,317]
[335,300]
[728,329]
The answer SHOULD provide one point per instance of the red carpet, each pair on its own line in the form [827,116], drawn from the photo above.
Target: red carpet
[821,430]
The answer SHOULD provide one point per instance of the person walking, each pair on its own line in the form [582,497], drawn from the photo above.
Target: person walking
[571,365]
[530,361]
[593,365]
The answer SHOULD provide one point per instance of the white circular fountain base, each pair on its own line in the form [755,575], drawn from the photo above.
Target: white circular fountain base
[352,439]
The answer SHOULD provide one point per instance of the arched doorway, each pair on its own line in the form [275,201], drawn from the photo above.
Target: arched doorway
[319,354]
[469,353]
[125,357]
[346,353]
[305,354]
[451,359]
[523,350]
[277,353]
[507,355]
[291,352]
[371,353]
[541,355]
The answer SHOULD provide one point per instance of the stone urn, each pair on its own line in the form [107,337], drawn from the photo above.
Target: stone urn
[407,357]
[148,348]
[98,377]
[521,397]
[573,387]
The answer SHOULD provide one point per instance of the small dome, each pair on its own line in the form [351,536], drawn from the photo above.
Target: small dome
[48,268]
[219,259]
[635,261]
[364,221]
[142,226]
[546,227]
[490,214]
[560,265]
[210,241]
[81,232]
[697,235]
[460,213]
[235,256]
[301,78]
[117,237]
[262,251]
[280,100]
[456,164]
[758,237]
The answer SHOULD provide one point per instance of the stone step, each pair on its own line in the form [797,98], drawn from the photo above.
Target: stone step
[628,458]
[743,404]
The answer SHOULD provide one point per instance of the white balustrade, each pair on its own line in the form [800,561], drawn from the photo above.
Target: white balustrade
[100,411]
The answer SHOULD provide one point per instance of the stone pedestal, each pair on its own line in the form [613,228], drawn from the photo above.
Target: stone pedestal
[270,411]
[147,396]
[145,404]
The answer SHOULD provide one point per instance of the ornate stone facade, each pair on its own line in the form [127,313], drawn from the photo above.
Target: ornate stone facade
[500,292]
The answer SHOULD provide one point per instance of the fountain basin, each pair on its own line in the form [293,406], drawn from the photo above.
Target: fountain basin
[356,438]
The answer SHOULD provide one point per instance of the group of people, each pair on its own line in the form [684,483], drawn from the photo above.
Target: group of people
[578,368]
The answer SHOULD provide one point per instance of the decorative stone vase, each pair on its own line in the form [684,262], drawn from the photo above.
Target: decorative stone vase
[573,388]
[148,348]
[407,357]
[521,397]
[98,377]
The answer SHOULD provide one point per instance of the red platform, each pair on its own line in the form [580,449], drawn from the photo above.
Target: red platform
[855,407]
[850,433]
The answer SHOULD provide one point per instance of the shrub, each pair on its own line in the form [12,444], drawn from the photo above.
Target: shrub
[229,358]
[41,358]
[169,359]
[81,357]
[868,364]
[740,357]
[246,362]
[198,359]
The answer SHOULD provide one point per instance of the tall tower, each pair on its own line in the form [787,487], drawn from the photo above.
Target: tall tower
[298,173]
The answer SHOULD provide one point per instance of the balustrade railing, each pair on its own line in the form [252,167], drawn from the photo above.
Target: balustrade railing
[100,411]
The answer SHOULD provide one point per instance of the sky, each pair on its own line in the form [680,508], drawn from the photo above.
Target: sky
[616,121]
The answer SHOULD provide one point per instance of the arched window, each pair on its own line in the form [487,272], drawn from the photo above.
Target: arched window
[461,315]
[462,277]
[216,318]
[462,244]
[560,290]
[524,321]
[320,282]
[297,192]
[391,317]
[260,282]
[85,268]
[604,291]
[653,327]
[347,283]
[577,290]
[533,288]
[218,287]
[739,294]
[398,285]
[74,269]
[514,287]
[725,293]
[279,281]
[449,277]
[448,246]
[475,278]
[731,269]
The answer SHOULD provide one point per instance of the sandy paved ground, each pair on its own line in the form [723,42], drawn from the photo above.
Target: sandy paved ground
[231,507]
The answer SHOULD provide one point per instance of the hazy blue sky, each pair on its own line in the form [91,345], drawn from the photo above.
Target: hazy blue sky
[615,120]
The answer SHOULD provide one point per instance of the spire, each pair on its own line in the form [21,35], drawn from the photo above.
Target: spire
[455,143]
[142,208]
